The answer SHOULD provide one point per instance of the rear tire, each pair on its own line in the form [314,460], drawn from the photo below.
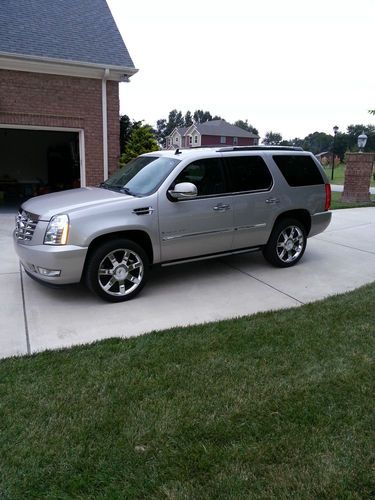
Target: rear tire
[287,243]
[117,270]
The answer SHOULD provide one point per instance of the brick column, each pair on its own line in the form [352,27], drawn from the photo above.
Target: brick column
[357,177]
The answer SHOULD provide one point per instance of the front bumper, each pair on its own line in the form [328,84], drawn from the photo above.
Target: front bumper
[68,259]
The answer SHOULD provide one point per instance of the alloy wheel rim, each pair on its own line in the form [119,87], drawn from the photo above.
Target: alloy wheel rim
[290,244]
[120,272]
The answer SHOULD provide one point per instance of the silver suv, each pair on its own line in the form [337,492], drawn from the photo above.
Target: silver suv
[171,207]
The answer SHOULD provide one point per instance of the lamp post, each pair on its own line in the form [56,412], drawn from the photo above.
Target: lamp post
[335,129]
[362,139]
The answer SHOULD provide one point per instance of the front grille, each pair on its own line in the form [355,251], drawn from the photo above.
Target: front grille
[25,225]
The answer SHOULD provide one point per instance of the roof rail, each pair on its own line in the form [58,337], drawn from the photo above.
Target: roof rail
[260,148]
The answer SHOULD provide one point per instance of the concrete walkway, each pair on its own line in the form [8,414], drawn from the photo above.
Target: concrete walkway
[340,188]
[34,318]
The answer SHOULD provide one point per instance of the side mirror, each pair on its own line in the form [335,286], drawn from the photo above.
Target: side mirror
[183,191]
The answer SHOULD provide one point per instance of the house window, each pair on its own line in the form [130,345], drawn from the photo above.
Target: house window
[223,139]
[190,139]
[168,142]
[235,141]
[196,139]
[176,139]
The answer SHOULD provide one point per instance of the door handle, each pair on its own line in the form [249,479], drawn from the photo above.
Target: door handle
[221,207]
[272,200]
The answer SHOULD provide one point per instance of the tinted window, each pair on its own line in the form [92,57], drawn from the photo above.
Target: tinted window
[299,170]
[248,173]
[207,175]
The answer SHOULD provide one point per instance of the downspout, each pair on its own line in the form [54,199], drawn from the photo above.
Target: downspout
[105,123]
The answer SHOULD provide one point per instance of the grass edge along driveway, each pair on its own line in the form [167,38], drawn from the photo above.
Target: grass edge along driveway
[276,405]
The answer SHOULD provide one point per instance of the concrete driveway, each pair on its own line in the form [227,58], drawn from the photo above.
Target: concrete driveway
[34,318]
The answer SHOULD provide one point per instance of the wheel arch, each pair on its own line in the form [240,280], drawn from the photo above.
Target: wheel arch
[137,236]
[301,215]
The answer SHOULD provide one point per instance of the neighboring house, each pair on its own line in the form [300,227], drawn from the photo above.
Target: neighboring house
[325,158]
[210,134]
[61,62]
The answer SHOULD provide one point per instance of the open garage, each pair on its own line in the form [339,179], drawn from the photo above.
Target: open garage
[35,162]
[59,96]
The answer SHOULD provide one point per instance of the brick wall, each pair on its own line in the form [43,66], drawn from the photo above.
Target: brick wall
[211,140]
[62,101]
[358,177]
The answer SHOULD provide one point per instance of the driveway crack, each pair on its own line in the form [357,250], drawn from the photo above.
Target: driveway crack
[24,314]
[263,282]
[345,246]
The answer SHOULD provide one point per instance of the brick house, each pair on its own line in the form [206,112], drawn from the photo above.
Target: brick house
[61,62]
[210,134]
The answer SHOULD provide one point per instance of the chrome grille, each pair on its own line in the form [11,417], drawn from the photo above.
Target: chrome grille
[25,225]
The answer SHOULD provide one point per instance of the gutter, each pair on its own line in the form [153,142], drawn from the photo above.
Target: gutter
[40,64]
[105,123]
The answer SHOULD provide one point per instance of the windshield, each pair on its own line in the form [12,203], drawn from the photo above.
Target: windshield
[141,176]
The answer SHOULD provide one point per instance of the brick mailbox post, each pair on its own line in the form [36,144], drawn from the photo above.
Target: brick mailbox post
[358,177]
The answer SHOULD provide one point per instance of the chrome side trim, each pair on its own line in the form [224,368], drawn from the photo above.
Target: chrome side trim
[254,226]
[206,257]
[201,233]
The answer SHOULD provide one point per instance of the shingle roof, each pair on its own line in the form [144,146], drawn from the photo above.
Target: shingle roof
[71,30]
[182,130]
[222,128]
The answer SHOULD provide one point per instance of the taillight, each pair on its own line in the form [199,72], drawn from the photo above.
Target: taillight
[328,197]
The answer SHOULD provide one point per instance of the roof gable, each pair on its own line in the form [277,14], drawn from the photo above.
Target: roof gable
[223,128]
[69,30]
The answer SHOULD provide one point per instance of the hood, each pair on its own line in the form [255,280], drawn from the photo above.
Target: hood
[65,202]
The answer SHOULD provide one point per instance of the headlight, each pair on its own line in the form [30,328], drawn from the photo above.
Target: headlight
[57,230]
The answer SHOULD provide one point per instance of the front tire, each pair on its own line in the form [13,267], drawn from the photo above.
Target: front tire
[117,270]
[286,244]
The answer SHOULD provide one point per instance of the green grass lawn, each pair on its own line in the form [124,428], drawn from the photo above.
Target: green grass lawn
[337,203]
[339,174]
[276,405]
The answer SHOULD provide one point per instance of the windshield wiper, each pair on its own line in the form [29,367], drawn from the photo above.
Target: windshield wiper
[126,191]
[119,189]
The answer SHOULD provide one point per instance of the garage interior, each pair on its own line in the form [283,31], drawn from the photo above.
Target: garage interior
[35,162]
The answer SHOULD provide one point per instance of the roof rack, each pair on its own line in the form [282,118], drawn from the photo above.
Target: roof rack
[260,148]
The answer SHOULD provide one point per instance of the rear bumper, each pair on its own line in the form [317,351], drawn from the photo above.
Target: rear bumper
[319,222]
[67,259]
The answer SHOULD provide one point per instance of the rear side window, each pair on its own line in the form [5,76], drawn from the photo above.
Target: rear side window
[299,170]
[248,173]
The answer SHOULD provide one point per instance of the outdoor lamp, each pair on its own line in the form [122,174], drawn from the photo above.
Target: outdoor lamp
[362,139]
[335,130]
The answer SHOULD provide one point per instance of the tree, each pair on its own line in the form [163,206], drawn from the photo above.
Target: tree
[126,128]
[188,119]
[355,130]
[165,127]
[246,126]
[201,116]
[272,138]
[318,142]
[142,140]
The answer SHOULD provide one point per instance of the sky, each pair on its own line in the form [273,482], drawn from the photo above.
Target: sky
[292,66]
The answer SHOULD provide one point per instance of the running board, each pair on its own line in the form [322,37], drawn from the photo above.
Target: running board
[206,257]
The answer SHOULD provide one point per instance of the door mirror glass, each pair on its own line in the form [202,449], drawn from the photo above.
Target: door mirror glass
[183,191]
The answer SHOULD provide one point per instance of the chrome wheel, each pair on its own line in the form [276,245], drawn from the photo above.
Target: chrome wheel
[290,244]
[120,272]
